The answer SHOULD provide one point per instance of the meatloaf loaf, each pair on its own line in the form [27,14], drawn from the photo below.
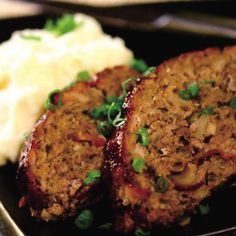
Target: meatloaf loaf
[179,140]
[59,169]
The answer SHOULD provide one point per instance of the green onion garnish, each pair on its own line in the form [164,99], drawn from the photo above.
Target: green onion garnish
[139,65]
[92,175]
[26,135]
[143,136]
[138,164]
[123,85]
[207,111]
[191,92]
[105,226]
[184,95]
[54,100]
[111,99]
[113,114]
[204,209]
[84,219]
[141,232]
[62,25]
[30,37]
[118,121]
[204,82]
[83,76]
[149,71]
[232,103]
[100,111]
[161,185]
[50,25]
[113,111]
[104,128]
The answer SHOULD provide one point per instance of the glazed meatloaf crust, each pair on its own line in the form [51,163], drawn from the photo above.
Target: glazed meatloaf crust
[178,143]
[59,169]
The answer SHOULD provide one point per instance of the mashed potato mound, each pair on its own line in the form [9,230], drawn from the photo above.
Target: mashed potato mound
[30,69]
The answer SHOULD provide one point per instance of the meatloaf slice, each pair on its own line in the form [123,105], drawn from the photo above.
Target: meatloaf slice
[60,166]
[178,143]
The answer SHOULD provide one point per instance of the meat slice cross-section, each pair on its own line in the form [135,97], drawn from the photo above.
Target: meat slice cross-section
[179,140]
[60,166]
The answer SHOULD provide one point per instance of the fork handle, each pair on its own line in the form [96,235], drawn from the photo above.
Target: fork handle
[7,225]
[178,23]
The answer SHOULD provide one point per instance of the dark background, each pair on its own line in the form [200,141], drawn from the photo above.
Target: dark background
[154,47]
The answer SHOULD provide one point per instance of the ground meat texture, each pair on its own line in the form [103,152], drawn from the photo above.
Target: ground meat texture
[64,146]
[189,153]
[116,75]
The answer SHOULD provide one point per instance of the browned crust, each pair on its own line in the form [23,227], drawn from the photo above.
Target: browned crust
[25,179]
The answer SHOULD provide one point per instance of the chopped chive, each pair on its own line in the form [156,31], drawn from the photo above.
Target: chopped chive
[104,128]
[141,232]
[207,111]
[100,111]
[66,24]
[84,220]
[92,175]
[162,184]
[232,103]
[118,121]
[143,136]
[138,164]
[83,76]
[204,209]
[30,37]
[184,95]
[123,85]
[113,111]
[105,226]
[54,100]
[139,65]
[50,25]
[191,92]
[111,99]
[26,135]
[63,25]
[90,178]
[149,71]
[204,82]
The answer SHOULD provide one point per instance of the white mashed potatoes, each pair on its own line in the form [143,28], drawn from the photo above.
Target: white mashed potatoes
[30,69]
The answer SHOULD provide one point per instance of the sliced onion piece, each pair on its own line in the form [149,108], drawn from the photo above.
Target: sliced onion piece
[190,178]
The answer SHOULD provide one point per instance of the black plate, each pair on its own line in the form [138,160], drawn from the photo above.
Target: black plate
[154,48]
